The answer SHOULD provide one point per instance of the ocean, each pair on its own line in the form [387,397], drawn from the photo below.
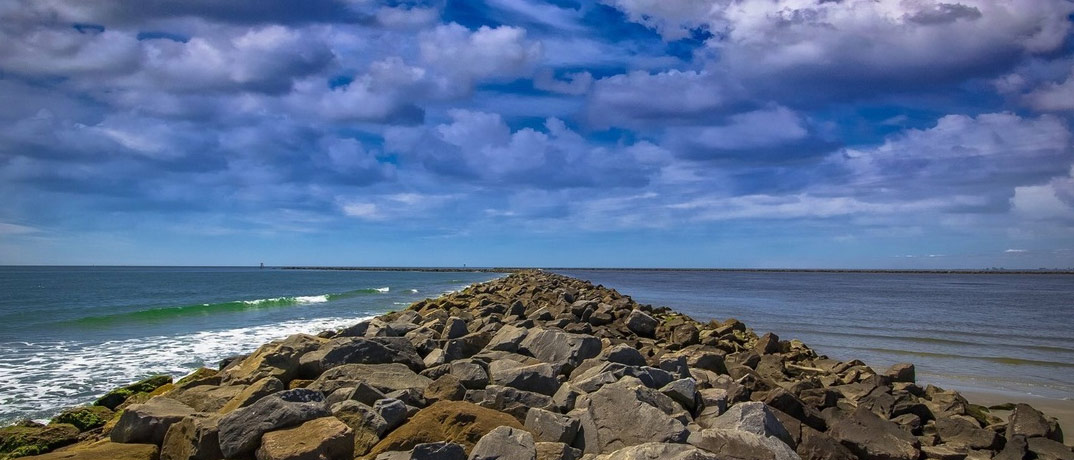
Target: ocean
[68,334]
[993,333]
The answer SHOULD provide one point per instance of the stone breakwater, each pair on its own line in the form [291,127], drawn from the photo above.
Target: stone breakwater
[538,366]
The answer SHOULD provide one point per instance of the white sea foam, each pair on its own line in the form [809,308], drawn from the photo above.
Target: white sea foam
[38,379]
[413,291]
[312,298]
[383,289]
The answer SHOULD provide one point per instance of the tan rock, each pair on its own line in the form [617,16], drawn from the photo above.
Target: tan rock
[195,437]
[325,438]
[104,450]
[454,421]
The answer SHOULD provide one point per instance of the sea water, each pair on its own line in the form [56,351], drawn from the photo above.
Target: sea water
[69,334]
[1004,333]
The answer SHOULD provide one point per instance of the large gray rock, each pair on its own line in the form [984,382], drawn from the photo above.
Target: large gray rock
[368,426]
[509,400]
[507,339]
[538,378]
[1047,449]
[596,377]
[556,451]
[961,432]
[548,426]
[564,350]
[872,438]
[393,411]
[1029,422]
[742,445]
[253,392]
[661,451]
[454,328]
[626,413]
[278,359]
[751,417]
[241,430]
[385,378]
[641,323]
[360,350]
[505,443]
[684,392]
[149,422]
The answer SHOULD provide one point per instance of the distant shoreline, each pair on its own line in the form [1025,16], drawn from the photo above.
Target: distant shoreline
[742,270]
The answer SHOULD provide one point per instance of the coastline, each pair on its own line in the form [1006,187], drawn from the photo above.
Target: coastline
[572,352]
[732,270]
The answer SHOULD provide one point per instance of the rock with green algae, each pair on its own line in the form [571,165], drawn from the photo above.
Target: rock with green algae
[85,417]
[31,438]
[114,398]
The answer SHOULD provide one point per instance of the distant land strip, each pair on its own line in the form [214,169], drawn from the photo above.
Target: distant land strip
[1042,271]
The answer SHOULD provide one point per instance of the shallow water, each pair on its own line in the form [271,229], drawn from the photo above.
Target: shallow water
[68,334]
[991,332]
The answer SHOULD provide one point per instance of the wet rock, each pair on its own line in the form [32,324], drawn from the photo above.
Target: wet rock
[195,437]
[505,443]
[84,418]
[870,437]
[31,438]
[241,430]
[453,421]
[548,426]
[148,423]
[114,398]
[641,323]
[324,438]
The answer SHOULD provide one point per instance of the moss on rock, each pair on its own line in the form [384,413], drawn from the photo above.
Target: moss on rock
[29,438]
[84,418]
[114,398]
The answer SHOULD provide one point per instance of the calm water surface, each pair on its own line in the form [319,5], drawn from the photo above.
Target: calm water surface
[1007,333]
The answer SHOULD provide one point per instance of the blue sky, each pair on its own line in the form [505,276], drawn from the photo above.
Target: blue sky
[665,133]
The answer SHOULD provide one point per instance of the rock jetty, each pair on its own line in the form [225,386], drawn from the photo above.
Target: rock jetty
[537,366]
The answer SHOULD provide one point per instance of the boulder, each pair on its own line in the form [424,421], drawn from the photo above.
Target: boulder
[360,392]
[148,423]
[538,378]
[207,398]
[31,438]
[561,349]
[596,377]
[438,451]
[195,437]
[452,421]
[741,445]
[278,359]
[1047,449]
[556,451]
[684,335]
[1015,449]
[507,339]
[902,372]
[790,404]
[509,400]
[393,411]
[447,388]
[360,350]
[548,426]
[384,377]
[1029,422]
[85,417]
[641,323]
[872,438]
[454,328]
[661,451]
[684,392]
[750,417]
[104,450]
[241,430]
[324,438]
[814,445]
[114,398]
[466,346]
[958,431]
[626,413]
[368,426]
[505,443]
[252,393]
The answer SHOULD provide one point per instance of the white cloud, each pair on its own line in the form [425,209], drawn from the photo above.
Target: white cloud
[15,229]
[1053,96]
[485,53]
[639,98]
[751,130]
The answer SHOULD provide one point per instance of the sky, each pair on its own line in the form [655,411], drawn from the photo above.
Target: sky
[619,133]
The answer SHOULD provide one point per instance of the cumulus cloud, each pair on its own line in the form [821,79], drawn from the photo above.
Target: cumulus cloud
[1053,96]
[495,53]
[641,98]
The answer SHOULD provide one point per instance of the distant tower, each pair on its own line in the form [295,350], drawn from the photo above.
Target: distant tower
[262,265]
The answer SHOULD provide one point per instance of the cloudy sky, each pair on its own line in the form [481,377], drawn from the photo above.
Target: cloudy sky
[690,133]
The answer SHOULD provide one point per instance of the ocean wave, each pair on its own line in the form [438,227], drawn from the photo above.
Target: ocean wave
[165,313]
[42,378]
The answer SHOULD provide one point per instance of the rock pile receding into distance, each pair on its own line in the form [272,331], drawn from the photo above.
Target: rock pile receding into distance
[539,366]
